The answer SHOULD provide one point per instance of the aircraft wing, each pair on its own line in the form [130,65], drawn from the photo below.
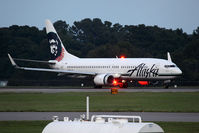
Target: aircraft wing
[37,61]
[47,70]
[55,70]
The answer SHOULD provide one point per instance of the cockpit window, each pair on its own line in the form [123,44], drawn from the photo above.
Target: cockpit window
[168,66]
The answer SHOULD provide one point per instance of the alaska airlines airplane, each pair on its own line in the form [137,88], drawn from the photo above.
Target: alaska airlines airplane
[105,71]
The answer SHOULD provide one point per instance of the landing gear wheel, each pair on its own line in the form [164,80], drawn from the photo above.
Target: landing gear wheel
[123,85]
[166,87]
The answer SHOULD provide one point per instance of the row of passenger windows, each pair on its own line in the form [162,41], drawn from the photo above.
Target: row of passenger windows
[115,67]
[88,66]
[100,67]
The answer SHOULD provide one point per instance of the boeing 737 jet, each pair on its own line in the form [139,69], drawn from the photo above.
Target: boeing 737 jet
[105,71]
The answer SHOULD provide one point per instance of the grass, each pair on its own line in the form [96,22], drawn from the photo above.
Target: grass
[38,126]
[101,101]
[179,127]
[22,126]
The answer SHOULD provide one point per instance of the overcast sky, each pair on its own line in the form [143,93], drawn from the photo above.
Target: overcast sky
[170,14]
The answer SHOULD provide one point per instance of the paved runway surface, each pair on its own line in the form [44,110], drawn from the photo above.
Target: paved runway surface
[146,116]
[51,90]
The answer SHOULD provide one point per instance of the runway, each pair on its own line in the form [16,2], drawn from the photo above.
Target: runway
[146,116]
[55,90]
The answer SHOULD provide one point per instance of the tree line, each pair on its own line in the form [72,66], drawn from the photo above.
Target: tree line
[94,38]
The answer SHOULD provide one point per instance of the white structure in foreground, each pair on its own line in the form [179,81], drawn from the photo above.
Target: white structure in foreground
[102,124]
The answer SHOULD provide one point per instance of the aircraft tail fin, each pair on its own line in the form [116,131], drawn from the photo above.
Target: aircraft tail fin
[57,50]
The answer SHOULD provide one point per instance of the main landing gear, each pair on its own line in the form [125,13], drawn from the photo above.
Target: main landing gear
[123,85]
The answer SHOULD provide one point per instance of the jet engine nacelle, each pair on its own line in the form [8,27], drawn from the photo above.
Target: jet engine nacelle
[103,79]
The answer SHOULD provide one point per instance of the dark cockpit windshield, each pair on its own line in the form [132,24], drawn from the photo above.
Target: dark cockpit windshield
[169,66]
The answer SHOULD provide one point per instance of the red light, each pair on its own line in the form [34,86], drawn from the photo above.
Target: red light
[143,82]
[122,57]
[114,82]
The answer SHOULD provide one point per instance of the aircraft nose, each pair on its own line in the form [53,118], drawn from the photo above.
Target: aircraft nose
[178,71]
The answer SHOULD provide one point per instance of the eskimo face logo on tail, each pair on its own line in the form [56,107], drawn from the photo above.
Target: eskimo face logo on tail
[53,46]
[56,51]
[143,70]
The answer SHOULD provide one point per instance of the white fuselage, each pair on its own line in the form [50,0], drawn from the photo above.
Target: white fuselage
[130,68]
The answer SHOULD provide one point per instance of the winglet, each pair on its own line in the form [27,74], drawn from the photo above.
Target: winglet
[169,57]
[12,61]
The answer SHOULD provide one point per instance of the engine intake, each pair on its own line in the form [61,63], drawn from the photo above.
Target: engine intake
[103,79]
